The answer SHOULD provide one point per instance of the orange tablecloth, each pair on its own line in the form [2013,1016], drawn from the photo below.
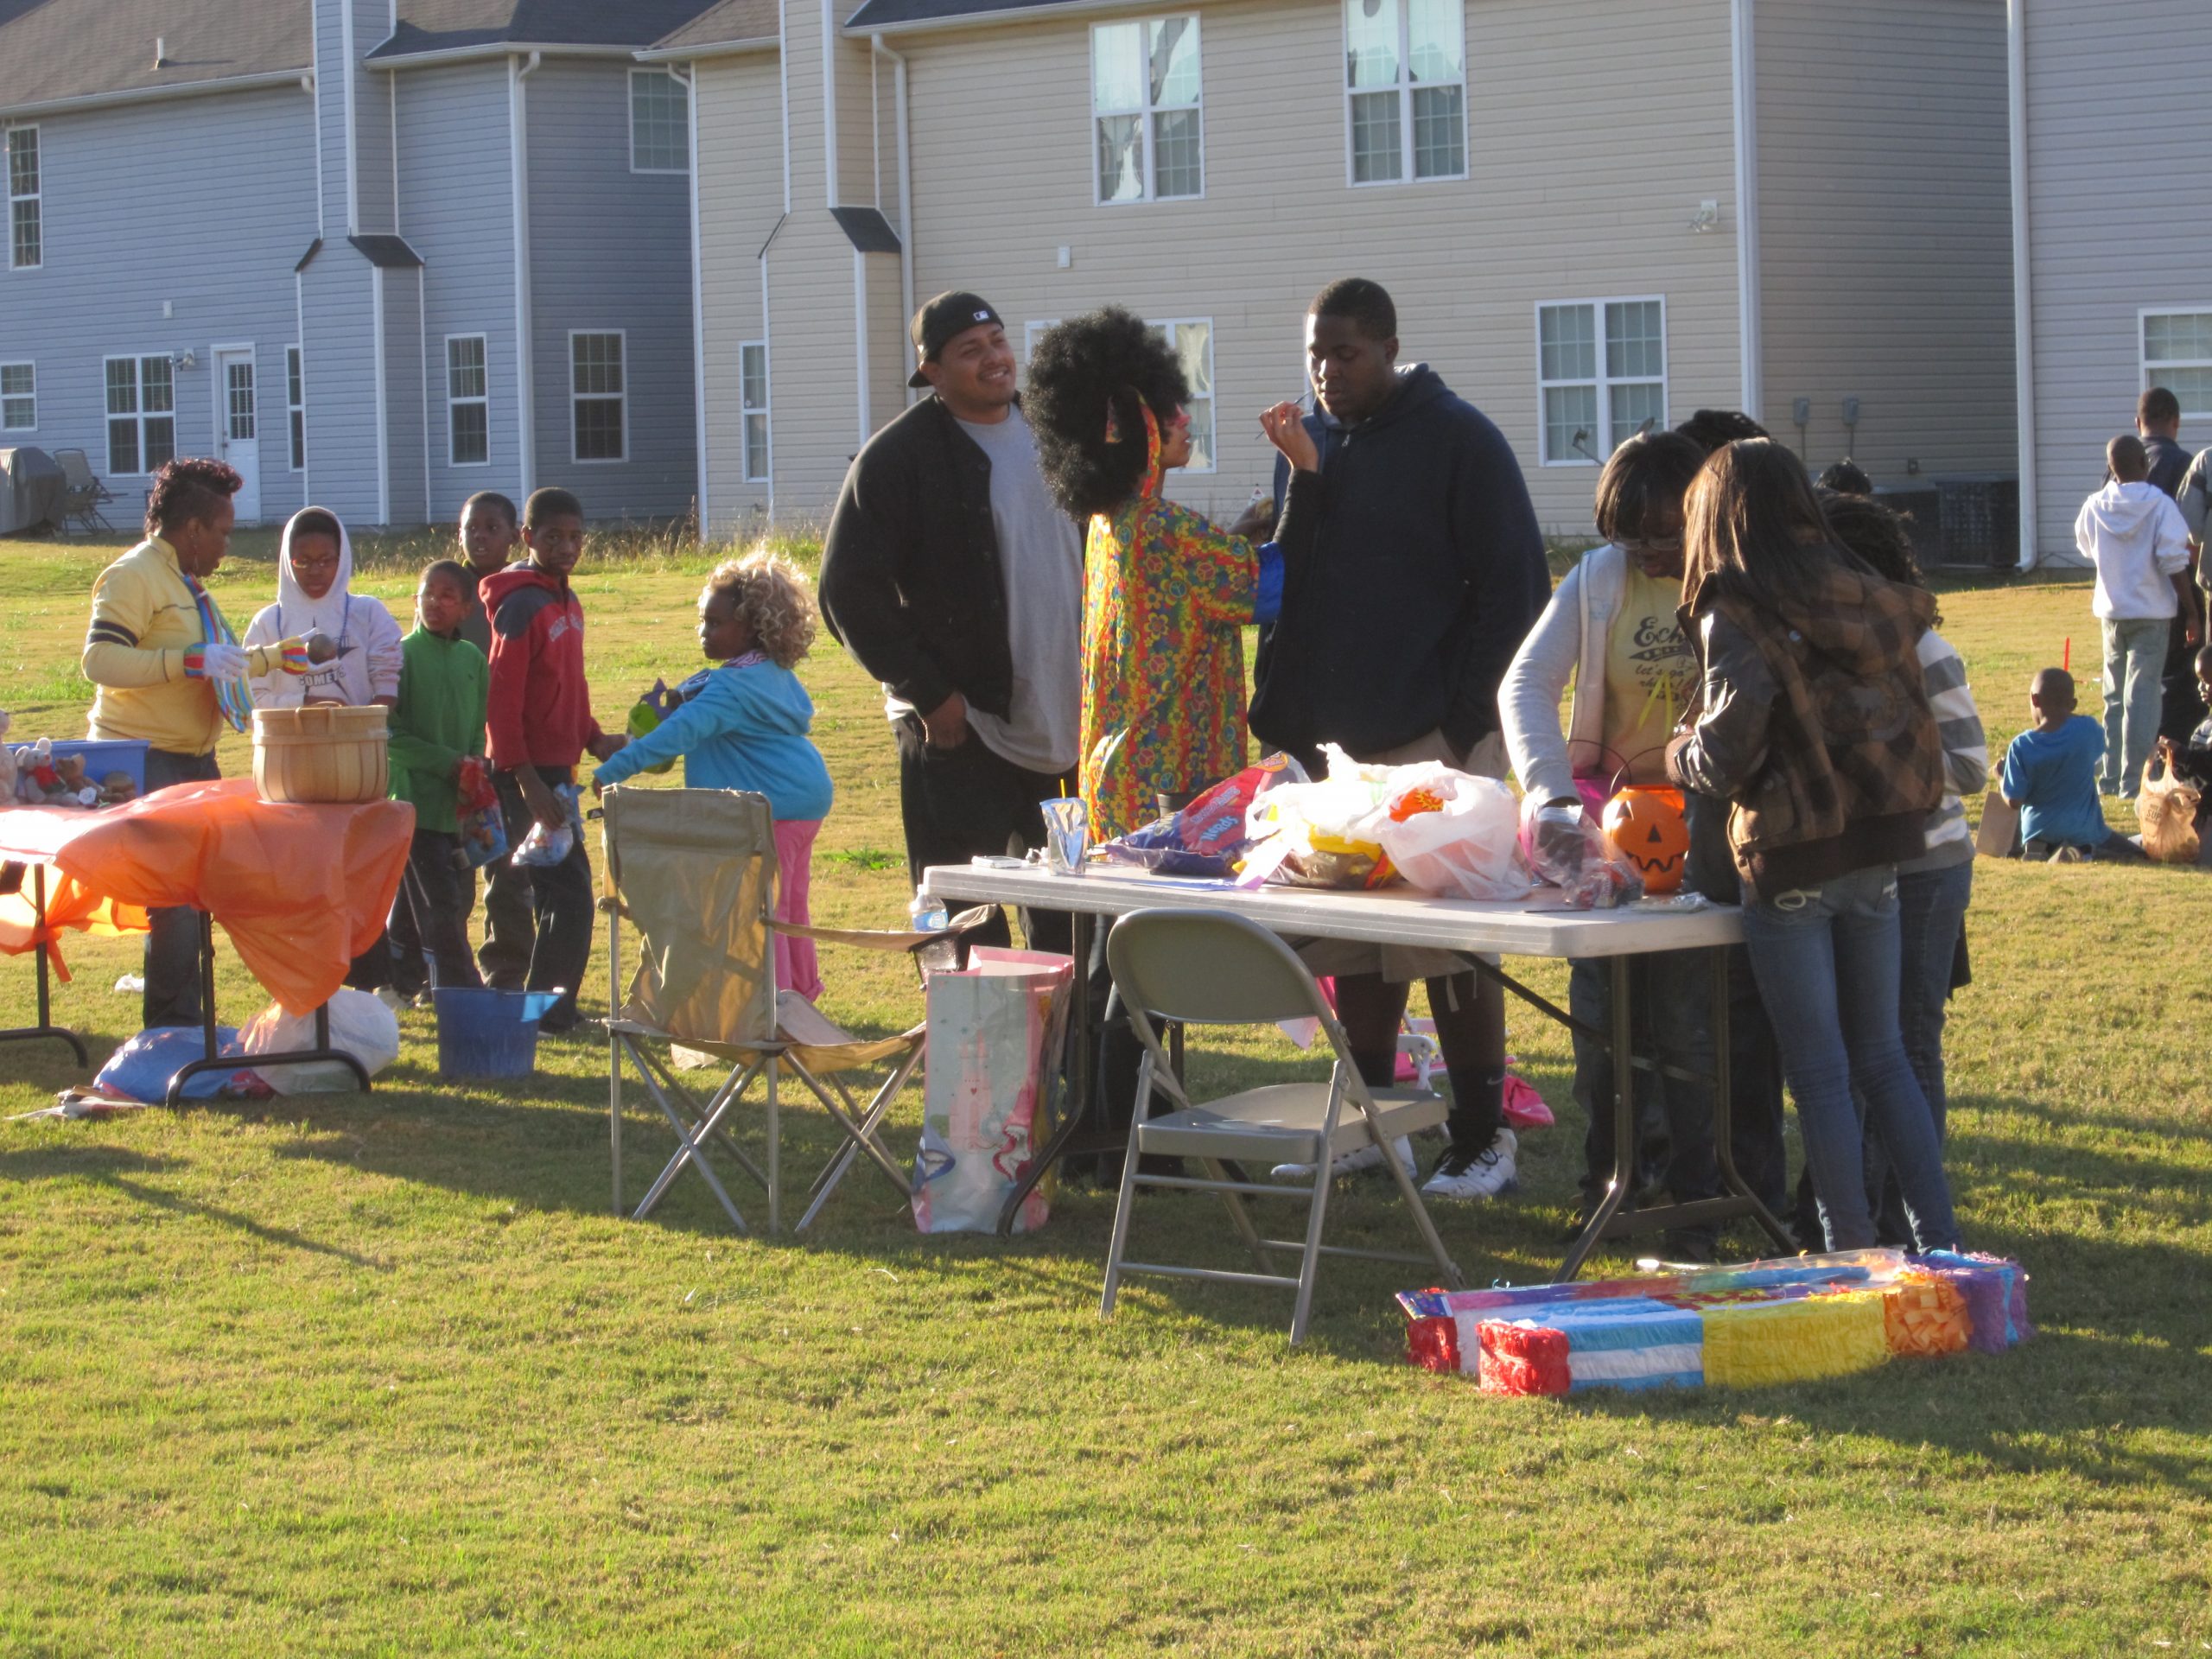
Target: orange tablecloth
[301,890]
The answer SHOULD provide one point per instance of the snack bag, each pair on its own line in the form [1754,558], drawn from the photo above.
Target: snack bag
[1329,834]
[541,848]
[646,714]
[482,826]
[1456,835]
[1566,848]
[1208,836]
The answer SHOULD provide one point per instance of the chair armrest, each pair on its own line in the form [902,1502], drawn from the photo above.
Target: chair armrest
[872,939]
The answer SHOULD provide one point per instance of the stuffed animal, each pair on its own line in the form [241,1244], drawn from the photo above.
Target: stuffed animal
[36,781]
[77,789]
[116,788]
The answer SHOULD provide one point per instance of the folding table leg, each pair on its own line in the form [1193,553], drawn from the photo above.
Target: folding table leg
[1624,1124]
[45,1028]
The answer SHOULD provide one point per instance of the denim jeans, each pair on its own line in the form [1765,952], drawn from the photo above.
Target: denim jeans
[172,961]
[1827,960]
[2135,663]
[1931,914]
[1672,994]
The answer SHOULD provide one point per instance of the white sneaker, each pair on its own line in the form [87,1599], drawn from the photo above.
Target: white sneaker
[1477,1175]
[390,998]
[1367,1157]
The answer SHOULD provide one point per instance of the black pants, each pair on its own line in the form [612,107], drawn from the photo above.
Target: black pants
[2183,710]
[432,905]
[968,801]
[561,896]
[172,963]
[510,920]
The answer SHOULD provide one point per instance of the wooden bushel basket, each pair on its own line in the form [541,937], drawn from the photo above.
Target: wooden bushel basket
[321,754]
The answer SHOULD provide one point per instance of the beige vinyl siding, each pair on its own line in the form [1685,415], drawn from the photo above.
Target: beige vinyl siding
[741,194]
[1885,231]
[1591,141]
[2119,129]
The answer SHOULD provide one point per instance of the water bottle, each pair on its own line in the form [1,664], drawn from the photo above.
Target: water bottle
[927,914]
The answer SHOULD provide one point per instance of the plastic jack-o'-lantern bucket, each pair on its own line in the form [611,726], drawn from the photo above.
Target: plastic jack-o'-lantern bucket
[1648,825]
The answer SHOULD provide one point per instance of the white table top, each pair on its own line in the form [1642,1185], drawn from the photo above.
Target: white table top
[1393,916]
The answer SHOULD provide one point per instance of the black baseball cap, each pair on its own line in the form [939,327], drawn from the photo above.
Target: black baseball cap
[941,318]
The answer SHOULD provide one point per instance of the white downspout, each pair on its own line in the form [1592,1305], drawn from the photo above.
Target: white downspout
[518,70]
[353,150]
[422,331]
[2023,310]
[383,414]
[688,78]
[860,340]
[828,104]
[1750,335]
[906,186]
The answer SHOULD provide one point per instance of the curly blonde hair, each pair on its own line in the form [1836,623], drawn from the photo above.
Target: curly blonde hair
[773,597]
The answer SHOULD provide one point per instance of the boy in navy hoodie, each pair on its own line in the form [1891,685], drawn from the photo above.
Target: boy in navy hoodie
[539,724]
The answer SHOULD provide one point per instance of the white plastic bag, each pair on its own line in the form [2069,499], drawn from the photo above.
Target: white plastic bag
[1466,846]
[1566,848]
[542,849]
[1327,834]
[359,1025]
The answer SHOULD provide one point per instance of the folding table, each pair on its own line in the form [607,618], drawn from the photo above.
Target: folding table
[1533,927]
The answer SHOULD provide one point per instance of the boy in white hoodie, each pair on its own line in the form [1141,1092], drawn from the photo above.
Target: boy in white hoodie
[2139,544]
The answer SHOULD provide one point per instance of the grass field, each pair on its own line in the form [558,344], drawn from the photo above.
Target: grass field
[380,1374]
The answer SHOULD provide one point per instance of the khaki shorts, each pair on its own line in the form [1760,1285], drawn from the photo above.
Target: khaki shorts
[1400,964]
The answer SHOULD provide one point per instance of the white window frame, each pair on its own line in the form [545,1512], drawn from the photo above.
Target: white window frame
[2143,351]
[137,362]
[296,409]
[1604,438]
[1030,333]
[636,75]
[1145,112]
[483,399]
[7,397]
[1406,88]
[37,196]
[745,411]
[1167,326]
[577,397]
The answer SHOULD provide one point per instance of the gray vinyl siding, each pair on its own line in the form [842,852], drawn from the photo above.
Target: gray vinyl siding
[456,190]
[1590,144]
[338,295]
[109,267]
[404,387]
[2119,129]
[740,197]
[611,250]
[1885,231]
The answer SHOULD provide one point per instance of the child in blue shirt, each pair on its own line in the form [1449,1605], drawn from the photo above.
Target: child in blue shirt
[743,725]
[2051,774]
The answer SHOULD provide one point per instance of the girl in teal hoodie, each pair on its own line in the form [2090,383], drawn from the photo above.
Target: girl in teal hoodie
[743,725]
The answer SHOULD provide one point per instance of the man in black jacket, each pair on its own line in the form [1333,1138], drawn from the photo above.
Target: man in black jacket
[954,579]
[1425,573]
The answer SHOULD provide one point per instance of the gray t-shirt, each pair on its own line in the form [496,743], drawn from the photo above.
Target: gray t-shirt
[1040,560]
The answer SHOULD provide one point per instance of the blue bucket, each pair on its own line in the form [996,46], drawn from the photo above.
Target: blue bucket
[104,755]
[485,1033]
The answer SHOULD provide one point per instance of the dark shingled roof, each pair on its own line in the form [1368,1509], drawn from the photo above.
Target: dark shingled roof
[902,14]
[387,252]
[721,25]
[452,25]
[51,50]
[866,229]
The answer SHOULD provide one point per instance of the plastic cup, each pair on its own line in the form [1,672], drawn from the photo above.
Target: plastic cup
[1067,834]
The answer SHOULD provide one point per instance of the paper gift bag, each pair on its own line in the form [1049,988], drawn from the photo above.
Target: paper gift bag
[1999,835]
[995,1031]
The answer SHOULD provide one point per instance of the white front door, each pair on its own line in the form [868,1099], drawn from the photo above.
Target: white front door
[237,427]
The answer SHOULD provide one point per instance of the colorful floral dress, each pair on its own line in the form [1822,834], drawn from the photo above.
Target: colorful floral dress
[1166,597]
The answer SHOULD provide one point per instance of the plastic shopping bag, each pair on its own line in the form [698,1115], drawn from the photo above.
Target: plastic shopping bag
[360,1026]
[1566,848]
[1456,835]
[994,1030]
[142,1068]
[1208,836]
[542,849]
[1329,834]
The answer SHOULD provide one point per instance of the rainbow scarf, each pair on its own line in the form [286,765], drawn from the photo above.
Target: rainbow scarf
[230,696]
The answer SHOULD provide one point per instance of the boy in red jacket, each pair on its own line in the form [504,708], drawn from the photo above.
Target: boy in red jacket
[539,725]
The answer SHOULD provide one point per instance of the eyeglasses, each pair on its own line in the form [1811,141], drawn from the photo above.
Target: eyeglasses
[1653,544]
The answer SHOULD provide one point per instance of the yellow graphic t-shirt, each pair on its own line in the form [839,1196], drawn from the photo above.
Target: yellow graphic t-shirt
[1648,673]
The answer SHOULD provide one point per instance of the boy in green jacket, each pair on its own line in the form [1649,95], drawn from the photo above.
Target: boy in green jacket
[443,683]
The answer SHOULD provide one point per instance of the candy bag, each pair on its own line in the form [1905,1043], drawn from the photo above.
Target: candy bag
[1327,834]
[541,848]
[482,826]
[1208,838]
[646,714]
[1566,848]
[1454,833]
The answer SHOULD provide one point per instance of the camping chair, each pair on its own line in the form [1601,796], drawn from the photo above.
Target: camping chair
[695,872]
[1203,967]
[83,491]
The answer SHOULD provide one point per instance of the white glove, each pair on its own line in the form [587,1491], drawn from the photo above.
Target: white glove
[215,661]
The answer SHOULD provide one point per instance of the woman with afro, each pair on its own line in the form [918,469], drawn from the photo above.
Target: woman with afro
[1166,594]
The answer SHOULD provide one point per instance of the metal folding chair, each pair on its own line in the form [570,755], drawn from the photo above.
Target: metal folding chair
[694,871]
[1213,968]
[84,491]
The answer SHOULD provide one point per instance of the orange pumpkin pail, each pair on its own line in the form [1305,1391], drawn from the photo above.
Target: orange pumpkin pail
[1648,825]
[322,753]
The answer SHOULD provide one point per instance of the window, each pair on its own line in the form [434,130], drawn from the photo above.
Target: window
[18,397]
[1598,392]
[1192,339]
[141,414]
[26,237]
[296,405]
[752,403]
[1144,103]
[660,122]
[1031,333]
[1406,81]
[595,394]
[469,414]
[2177,355]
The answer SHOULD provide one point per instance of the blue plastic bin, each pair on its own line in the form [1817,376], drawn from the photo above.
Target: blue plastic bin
[126,755]
[486,1033]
